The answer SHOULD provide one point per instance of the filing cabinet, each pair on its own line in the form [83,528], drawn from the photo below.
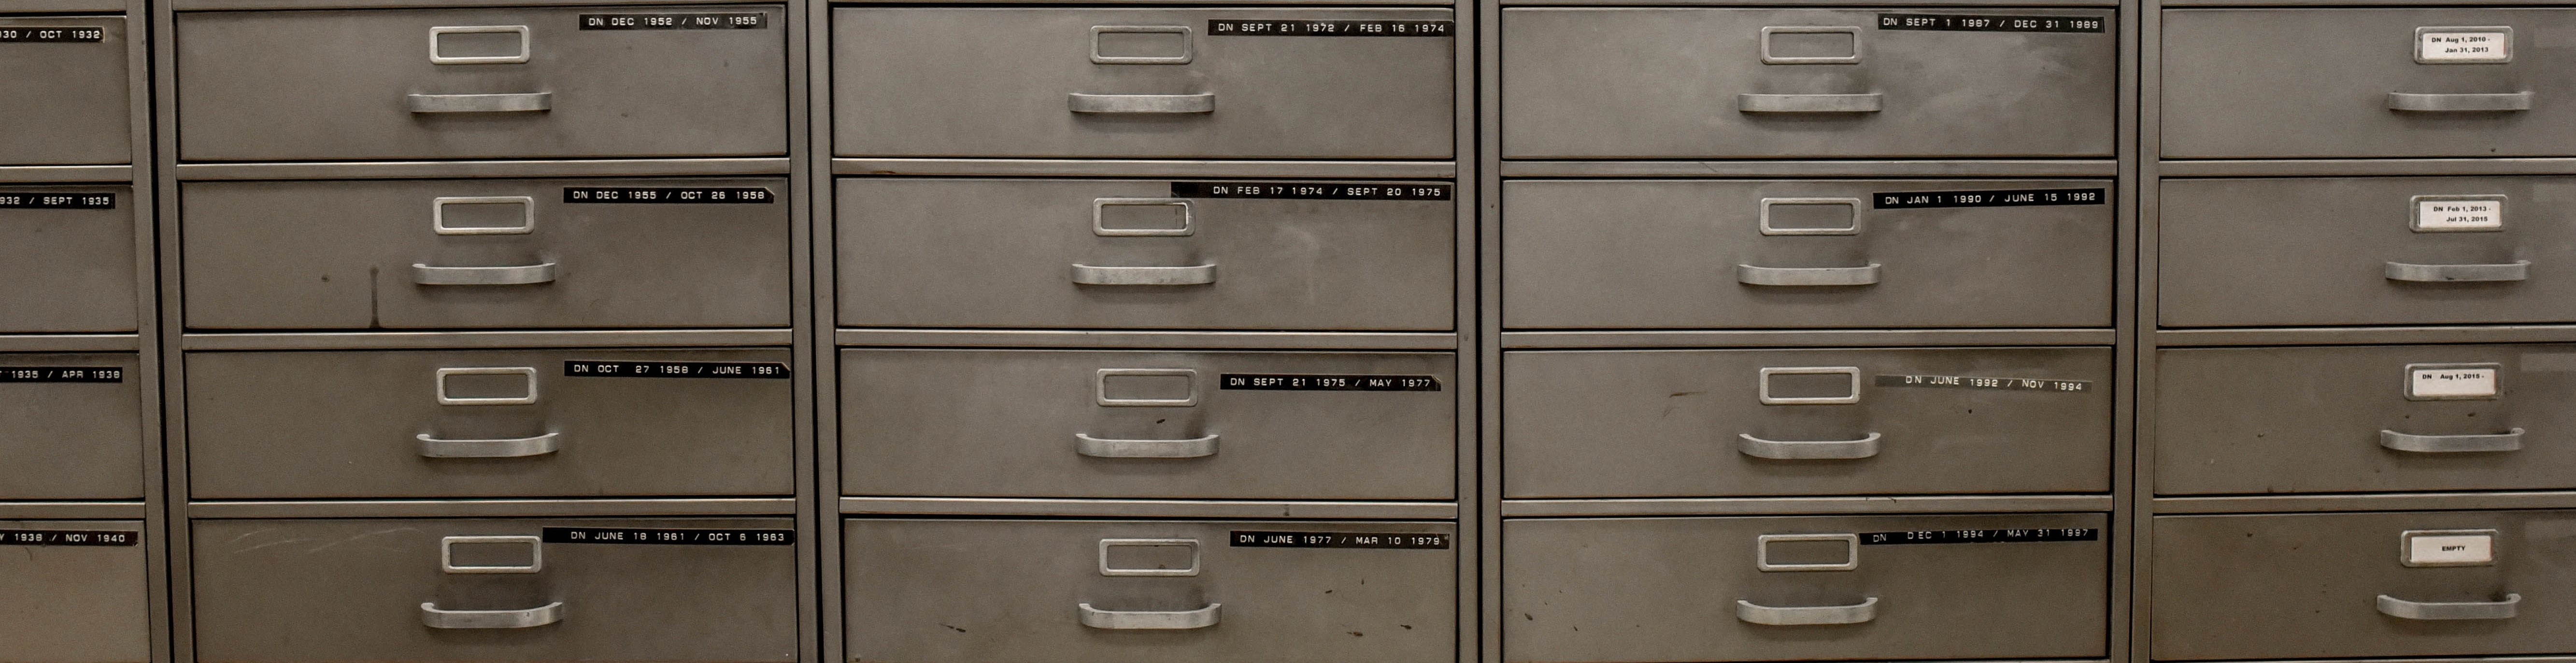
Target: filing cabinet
[941,591]
[520,589]
[70,427]
[67,95]
[482,83]
[499,423]
[1763,83]
[1806,253]
[1149,424]
[67,253]
[415,254]
[72,591]
[1101,82]
[1805,588]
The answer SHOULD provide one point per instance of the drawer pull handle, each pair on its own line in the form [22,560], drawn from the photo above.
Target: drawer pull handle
[431,447]
[2459,103]
[2439,444]
[1807,450]
[1191,275]
[518,275]
[2513,271]
[481,103]
[433,617]
[2404,609]
[1765,615]
[1808,103]
[1806,276]
[1104,448]
[1142,104]
[1145,621]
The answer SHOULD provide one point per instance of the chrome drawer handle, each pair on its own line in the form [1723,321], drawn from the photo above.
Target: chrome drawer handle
[2404,609]
[2513,271]
[2459,103]
[1808,103]
[2438,444]
[1806,276]
[1807,450]
[1148,621]
[481,103]
[1807,615]
[1191,275]
[433,617]
[431,447]
[516,275]
[1104,448]
[1142,104]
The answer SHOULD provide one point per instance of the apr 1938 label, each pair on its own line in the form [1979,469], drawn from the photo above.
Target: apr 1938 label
[61,374]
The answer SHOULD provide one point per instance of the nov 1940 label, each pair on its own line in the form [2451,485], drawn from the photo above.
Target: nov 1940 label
[1312,190]
[670,537]
[676,369]
[1992,23]
[746,21]
[57,200]
[61,374]
[21,34]
[1293,382]
[2035,535]
[668,195]
[1330,28]
[56,537]
[1400,540]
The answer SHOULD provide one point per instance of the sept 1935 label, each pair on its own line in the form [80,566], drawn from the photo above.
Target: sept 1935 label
[62,374]
[22,34]
[749,21]
[1330,28]
[58,537]
[1399,540]
[668,195]
[2004,198]
[1311,190]
[1286,382]
[669,537]
[1992,23]
[2034,535]
[57,201]
[676,369]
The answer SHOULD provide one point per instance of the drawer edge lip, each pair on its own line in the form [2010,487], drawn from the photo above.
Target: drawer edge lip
[1154,340]
[83,510]
[1803,338]
[494,508]
[2341,502]
[1147,508]
[212,5]
[2332,167]
[2395,335]
[105,174]
[463,169]
[1145,168]
[116,342]
[1852,505]
[438,340]
[1772,169]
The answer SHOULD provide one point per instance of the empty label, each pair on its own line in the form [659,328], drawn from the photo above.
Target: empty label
[1223,28]
[676,369]
[61,35]
[1266,382]
[673,21]
[2451,383]
[2451,550]
[2459,214]
[2464,46]
[1409,541]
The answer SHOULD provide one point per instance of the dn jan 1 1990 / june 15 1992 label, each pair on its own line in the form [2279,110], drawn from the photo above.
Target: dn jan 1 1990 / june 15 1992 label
[1396,540]
[1992,23]
[676,369]
[29,34]
[669,195]
[1312,190]
[57,200]
[1329,28]
[735,21]
[60,537]
[2001,198]
[669,537]
[1306,382]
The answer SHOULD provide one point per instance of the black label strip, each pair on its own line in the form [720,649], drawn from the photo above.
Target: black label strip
[1310,190]
[1980,536]
[2011,198]
[1965,382]
[54,537]
[1989,23]
[670,537]
[647,195]
[61,374]
[674,21]
[1396,540]
[1225,28]
[63,35]
[676,369]
[57,201]
[1269,382]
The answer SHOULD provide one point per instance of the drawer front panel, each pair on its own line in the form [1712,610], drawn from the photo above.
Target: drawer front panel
[67,253]
[67,98]
[72,591]
[71,427]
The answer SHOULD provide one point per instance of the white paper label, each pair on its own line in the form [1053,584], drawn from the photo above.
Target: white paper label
[2462,550]
[2452,383]
[2463,46]
[2459,214]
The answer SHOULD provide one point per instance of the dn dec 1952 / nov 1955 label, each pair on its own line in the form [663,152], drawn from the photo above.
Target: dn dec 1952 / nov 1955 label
[744,21]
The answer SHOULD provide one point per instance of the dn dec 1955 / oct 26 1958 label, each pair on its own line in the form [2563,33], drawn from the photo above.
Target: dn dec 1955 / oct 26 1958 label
[750,21]
[676,369]
[669,537]
[1330,28]
[670,195]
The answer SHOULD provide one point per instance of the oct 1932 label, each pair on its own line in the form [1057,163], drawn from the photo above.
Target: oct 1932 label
[1400,540]
[1288,382]
[58,537]
[669,537]
[750,21]
[676,369]
[61,374]
[2006,198]
[57,201]
[1330,28]
[1992,23]
[666,195]
[1311,190]
[2036,535]
[23,34]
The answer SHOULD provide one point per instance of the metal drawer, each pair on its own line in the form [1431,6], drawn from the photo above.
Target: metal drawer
[489,423]
[2377,82]
[2359,419]
[1692,423]
[67,253]
[1135,82]
[71,428]
[1003,591]
[1771,83]
[1805,588]
[1751,254]
[485,254]
[66,101]
[1154,255]
[483,83]
[1243,425]
[297,591]
[2366,251]
[72,591]
[2343,585]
